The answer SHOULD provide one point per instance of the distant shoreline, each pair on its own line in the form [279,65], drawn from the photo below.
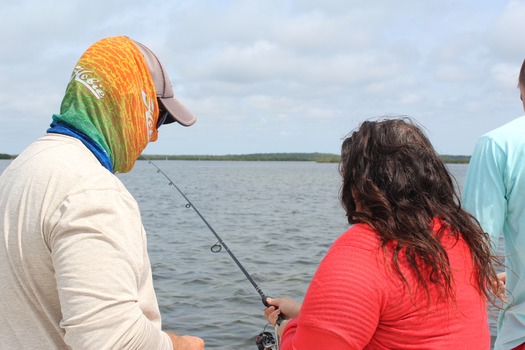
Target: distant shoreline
[284,157]
[287,157]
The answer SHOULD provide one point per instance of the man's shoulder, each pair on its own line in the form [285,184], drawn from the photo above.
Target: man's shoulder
[507,136]
[515,126]
[64,161]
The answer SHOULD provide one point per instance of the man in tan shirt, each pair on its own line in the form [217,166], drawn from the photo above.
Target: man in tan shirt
[74,267]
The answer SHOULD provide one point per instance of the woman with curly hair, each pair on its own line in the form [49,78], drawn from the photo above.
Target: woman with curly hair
[414,270]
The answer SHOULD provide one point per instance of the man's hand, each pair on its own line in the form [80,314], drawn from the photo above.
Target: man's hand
[186,342]
[502,280]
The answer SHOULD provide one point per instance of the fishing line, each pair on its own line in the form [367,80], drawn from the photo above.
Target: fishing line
[217,247]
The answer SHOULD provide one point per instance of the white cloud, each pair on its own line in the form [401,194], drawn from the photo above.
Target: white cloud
[505,74]
[506,33]
[314,68]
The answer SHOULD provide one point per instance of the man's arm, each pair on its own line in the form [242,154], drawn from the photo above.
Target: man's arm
[98,252]
[484,193]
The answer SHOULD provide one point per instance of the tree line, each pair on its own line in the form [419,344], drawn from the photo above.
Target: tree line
[287,157]
[301,157]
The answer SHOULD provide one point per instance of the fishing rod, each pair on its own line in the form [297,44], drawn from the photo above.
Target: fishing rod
[217,247]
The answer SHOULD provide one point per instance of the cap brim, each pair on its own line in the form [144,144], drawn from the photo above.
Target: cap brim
[177,112]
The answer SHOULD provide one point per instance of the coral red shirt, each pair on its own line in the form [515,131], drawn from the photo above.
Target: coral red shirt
[357,301]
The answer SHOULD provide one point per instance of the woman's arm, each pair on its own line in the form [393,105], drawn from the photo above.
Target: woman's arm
[343,303]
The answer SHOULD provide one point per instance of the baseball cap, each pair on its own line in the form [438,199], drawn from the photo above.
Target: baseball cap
[176,110]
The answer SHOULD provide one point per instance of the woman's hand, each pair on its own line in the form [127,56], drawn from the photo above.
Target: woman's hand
[286,307]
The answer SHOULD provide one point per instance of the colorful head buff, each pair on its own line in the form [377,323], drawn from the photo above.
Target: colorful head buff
[111,99]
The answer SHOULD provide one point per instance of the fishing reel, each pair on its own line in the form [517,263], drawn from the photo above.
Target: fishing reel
[265,341]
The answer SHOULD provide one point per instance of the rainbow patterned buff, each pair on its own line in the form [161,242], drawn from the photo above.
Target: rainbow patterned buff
[111,100]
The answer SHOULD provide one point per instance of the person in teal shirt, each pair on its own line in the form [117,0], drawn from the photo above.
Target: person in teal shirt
[494,193]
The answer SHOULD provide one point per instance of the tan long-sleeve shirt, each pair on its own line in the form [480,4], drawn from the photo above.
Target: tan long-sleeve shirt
[74,268]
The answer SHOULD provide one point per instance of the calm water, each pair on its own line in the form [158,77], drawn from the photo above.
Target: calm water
[278,218]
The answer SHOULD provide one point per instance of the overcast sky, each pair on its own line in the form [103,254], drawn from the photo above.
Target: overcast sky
[278,75]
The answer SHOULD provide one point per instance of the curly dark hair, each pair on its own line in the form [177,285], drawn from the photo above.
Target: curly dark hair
[401,185]
[521,79]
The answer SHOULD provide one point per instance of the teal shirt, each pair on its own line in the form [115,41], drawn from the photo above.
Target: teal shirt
[494,193]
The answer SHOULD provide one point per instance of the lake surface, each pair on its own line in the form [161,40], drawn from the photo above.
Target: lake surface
[278,219]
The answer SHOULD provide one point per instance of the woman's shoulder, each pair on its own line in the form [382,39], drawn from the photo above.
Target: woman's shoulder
[361,236]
